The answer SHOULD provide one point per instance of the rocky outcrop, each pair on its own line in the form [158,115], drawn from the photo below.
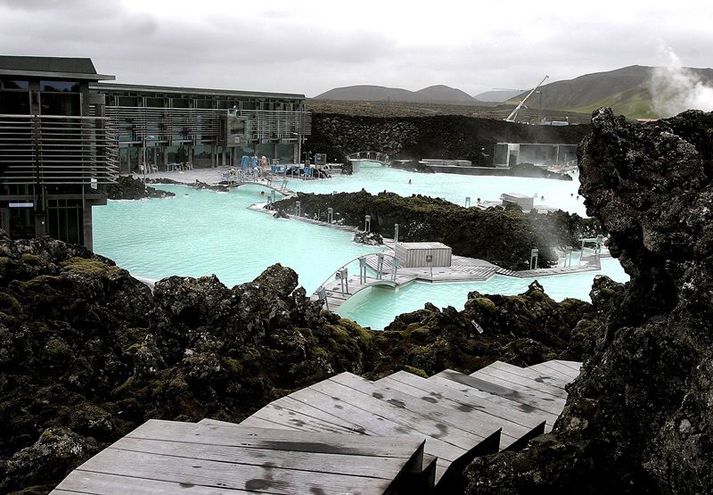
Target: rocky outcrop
[639,418]
[501,236]
[127,187]
[87,353]
[522,330]
[368,238]
[444,136]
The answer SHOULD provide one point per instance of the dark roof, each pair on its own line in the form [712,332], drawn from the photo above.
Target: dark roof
[78,68]
[142,88]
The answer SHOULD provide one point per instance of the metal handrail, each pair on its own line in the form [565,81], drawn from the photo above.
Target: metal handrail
[357,259]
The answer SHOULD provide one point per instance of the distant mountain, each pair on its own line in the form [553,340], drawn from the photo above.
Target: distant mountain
[445,94]
[626,90]
[432,94]
[498,96]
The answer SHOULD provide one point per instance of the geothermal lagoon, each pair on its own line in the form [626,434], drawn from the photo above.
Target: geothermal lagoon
[202,232]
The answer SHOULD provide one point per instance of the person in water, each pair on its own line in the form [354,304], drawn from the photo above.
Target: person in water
[409,181]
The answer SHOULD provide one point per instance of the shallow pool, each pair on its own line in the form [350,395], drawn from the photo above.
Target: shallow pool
[376,307]
[200,232]
[204,232]
[455,188]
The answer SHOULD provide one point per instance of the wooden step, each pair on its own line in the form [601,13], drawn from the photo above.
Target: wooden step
[518,382]
[567,372]
[166,457]
[339,405]
[527,398]
[477,419]
[343,409]
[544,377]
[494,405]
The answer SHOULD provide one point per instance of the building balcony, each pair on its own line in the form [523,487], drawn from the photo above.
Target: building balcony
[55,150]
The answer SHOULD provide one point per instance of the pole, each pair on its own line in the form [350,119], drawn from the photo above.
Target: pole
[299,142]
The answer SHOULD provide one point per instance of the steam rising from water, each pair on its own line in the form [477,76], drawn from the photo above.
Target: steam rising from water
[675,88]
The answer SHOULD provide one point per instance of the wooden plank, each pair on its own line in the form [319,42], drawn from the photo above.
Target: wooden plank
[575,365]
[502,408]
[372,466]
[540,376]
[435,428]
[210,421]
[374,424]
[276,439]
[519,406]
[265,479]
[256,422]
[545,368]
[83,482]
[515,382]
[548,403]
[568,370]
[477,422]
[525,390]
[296,406]
[566,373]
[278,414]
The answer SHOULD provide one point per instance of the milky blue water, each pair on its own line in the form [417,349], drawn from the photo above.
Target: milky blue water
[452,187]
[204,232]
[376,307]
[200,232]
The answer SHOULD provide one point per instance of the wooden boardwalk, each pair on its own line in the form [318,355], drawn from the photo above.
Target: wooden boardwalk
[401,434]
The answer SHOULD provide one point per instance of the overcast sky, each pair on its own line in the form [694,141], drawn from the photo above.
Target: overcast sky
[312,46]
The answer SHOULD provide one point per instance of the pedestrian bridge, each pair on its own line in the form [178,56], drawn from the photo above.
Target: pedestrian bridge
[375,270]
[369,156]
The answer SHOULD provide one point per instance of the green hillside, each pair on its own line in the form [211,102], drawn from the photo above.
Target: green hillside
[625,90]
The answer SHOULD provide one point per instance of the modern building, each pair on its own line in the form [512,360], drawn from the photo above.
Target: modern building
[65,133]
[540,154]
[159,126]
[56,147]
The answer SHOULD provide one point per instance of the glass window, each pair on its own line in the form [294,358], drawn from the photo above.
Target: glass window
[128,101]
[59,104]
[155,102]
[204,104]
[15,102]
[179,103]
[15,84]
[60,86]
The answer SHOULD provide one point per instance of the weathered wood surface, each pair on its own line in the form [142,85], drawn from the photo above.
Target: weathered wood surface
[492,404]
[517,382]
[567,375]
[411,421]
[522,394]
[540,376]
[319,462]
[164,457]
[563,371]
[273,439]
[373,423]
[267,478]
[474,421]
[574,365]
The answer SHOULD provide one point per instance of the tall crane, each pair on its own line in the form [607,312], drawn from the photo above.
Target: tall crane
[513,114]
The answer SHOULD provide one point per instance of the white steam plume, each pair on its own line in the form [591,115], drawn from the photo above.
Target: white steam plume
[675,88]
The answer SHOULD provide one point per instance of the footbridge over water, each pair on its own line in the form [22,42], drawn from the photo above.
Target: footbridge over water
[240,178]
[369,156]
[375,270]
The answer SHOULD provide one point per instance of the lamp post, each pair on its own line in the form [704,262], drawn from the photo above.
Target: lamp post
[299,145]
